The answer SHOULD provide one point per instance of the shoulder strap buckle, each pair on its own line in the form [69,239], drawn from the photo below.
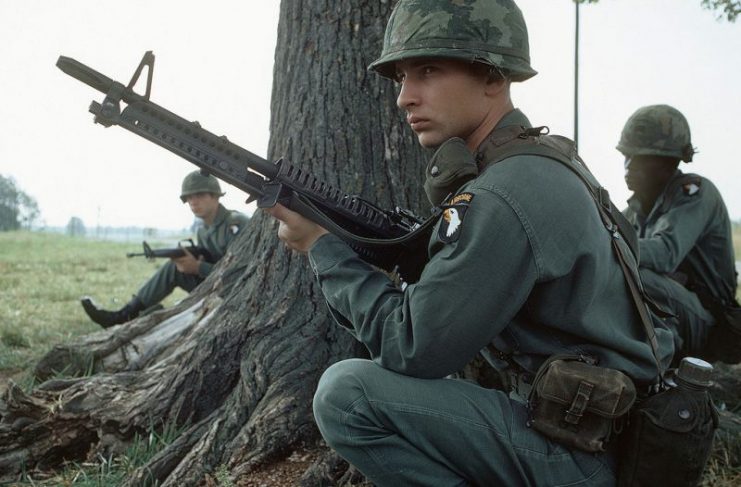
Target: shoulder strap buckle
[534,132]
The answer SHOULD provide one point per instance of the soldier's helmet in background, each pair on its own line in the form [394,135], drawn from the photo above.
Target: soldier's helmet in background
[491,32]
[197,182]
[657,130]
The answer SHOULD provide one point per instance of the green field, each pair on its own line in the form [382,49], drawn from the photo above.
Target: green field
[42,278]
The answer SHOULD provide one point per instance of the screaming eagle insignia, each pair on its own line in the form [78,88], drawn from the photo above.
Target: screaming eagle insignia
[234,229]
[452,219]
[691,189]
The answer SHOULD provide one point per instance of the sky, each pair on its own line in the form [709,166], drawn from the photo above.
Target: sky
[214,64]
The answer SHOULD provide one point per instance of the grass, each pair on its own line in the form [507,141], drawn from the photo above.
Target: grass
[43,276]
[107,472]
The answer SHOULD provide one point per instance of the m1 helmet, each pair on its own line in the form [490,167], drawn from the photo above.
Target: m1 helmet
[492,32]
[198,182]
[657,130]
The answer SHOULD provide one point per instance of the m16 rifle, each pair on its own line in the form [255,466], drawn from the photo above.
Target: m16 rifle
[175,252]
[394,240]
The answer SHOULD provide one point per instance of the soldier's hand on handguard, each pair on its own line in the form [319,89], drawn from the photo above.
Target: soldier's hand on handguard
[188,264]
[297,232]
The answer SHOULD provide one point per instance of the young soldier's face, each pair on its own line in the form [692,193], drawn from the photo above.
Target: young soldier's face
[443,98]
[203,205]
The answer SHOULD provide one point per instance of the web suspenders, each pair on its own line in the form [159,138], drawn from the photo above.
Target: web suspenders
[515,140]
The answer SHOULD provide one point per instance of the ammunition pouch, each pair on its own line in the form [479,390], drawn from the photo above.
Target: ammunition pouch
[668,440]
[579,404]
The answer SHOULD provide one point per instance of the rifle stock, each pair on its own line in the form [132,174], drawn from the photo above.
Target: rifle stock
[393,240]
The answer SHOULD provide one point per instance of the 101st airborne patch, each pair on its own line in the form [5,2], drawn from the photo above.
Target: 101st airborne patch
[452,220]
[691,188]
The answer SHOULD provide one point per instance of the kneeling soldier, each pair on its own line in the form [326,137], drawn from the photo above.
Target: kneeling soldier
[520,263]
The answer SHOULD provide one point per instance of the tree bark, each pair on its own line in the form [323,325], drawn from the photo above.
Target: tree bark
[236,363]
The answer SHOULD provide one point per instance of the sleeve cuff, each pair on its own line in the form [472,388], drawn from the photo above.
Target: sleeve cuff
[327,251]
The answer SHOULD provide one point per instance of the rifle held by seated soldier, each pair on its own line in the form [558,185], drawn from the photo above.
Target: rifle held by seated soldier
[174,252]
[394,240]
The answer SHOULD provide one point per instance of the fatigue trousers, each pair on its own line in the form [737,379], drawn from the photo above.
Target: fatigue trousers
[403,431]
[163,282]
[692,323]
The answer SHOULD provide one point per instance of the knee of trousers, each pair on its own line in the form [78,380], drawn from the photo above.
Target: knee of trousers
[339,390]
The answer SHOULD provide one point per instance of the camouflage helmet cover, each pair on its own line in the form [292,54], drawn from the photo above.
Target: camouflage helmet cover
[657,130]
[198,182]
[492,32]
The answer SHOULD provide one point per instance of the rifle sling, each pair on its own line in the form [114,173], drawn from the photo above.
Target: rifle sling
[307,208]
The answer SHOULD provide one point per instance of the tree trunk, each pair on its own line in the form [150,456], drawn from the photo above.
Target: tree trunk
[236,363]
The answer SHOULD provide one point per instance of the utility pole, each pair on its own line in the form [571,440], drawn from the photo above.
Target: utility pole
[576,76]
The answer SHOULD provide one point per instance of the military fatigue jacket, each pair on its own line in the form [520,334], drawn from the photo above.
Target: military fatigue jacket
[521,259]
[217,236]
[688,230]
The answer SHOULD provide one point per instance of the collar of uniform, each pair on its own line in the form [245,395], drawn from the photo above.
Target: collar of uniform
[491,143]
[514,117]
[221,215]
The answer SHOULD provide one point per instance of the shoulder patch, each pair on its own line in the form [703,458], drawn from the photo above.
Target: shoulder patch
[237,218]
[453,215]
[691,189]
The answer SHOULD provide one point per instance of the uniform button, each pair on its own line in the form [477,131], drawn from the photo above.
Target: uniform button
[434,171]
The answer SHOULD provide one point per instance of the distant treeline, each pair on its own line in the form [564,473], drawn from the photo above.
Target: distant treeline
[121,234]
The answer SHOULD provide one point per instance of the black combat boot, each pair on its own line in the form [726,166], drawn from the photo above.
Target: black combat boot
[107,318]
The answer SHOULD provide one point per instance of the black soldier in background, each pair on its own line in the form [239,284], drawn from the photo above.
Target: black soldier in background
[220,227]
[686,249]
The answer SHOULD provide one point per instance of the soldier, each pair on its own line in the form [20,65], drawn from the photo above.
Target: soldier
[520,265]
[685,239]
[220,227]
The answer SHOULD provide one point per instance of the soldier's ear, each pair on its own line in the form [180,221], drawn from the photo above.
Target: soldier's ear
[497,87]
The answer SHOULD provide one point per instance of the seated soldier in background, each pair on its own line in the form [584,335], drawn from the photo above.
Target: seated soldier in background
[686,249]
[220,227]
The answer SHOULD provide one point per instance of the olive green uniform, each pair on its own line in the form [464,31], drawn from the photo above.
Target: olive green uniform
[526,265]
[215,238]
[686,249]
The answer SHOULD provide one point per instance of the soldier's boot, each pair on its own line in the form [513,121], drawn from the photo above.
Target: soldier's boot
[106,318]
